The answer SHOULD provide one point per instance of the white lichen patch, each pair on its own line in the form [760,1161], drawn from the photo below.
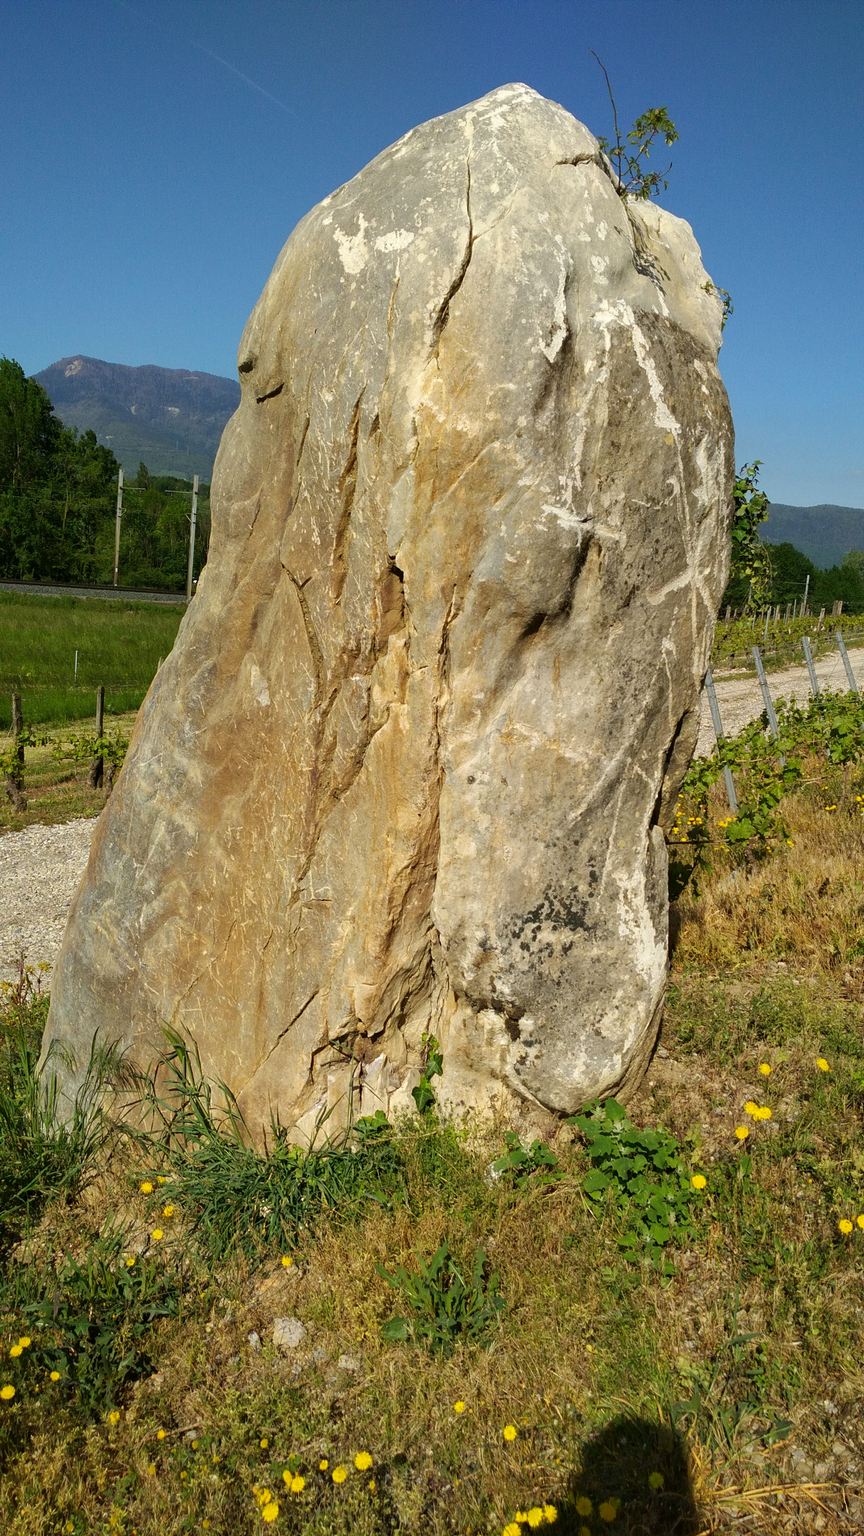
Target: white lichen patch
[353,250]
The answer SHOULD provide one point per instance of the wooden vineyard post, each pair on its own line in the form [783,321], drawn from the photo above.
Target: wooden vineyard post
[773,727]
[15,775]
[811,670]
[718,732]
[847,665]
[97,767]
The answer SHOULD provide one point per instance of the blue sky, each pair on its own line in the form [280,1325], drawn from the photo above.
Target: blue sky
[155,154]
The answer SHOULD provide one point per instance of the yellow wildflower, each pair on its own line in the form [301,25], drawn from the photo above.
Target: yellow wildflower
[15,1351]
[263,1442]
[762,1112]
[509,1431]
[286,1261]
[146,1187]
[161,1433]
[511,1530]
[698,1181]
[362,1461]
[459,1407]
[7,1393]
[323,1464]
[161,1179]
[742,1132]
[608,1510]
[168,1210]
[114,1416]
[25,1341]
[550,1513]
[844,1226]
[859,1222]
[129,1261]
[656,1480]
[751,1109]
[765,1068]
[535,1517]
[297,1484]
[339,1474]
[822,1064]
[584,1507]
[157,1234]
[270,1510]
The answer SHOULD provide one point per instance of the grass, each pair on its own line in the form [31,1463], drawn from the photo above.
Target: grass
[119,644]
[55,781]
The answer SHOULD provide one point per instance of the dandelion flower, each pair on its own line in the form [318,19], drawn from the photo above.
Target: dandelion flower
[161,1179]
[459,1407]
[168,1210]
[263,1442]
[765,1068]
[372,1485]
[161,1433]
[822,1064]
[859,1222]
[608,1510]
[656,1480]
[763,1112]
[270,1510]
[362,1461]
[510,1431]
[146,1187]
[7,1393]
[286,1261]
[550,1513]
[297,1483]
[54,1376]
[15,1351]
[157,1234]
[751,1109]
[323,1464]
[698,1181]
[339,1474]
[844,1225]
[584,1507]
[535,1517]
[742,1132]
[114,1416]
[511,1530]
[25,1341]
[129,1261]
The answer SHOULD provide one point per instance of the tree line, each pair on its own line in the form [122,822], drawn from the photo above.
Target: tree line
[58,497]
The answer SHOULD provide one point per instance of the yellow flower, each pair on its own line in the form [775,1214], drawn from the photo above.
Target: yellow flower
[286,1261]
[763,1112]
[25,1341]
[859,1222]
[550,1513]
[146,1187]
[151,1469]
[511,1530]
[157,1234]
[161,1179]
[372,1485]
[510,1431]
[129,1261]
[323,1464]
[535,1517]
[297,1483]
[765,1068]
[844,1226]
[584,1507]
[822,1064]
[15,1351]
[698,1181]
[742,1132]
[270,1510]
[7,1393]
[54,1376]
[608,1510]
[362,1461]
[263,1442]
[168,1210]
[263,1495]
[751,1109]
[161,1433]
[339,1474]
[459,1407]
[114,1416]
[656,1480]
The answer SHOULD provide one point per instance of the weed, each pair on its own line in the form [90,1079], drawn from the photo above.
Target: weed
[535,1165]
[443,1304]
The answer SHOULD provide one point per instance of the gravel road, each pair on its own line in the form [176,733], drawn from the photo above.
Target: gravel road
[40,868]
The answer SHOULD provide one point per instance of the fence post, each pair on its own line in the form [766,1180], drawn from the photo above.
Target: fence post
[717,722]
[97,767]
[808,657]
[15,776]
[850,675]
[767,700]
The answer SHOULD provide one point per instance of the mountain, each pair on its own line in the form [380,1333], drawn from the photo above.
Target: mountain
[168,417]
[825,533]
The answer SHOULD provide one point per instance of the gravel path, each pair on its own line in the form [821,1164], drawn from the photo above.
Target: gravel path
[40,868]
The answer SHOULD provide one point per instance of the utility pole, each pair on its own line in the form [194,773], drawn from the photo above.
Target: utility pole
[191,539]
[117,524]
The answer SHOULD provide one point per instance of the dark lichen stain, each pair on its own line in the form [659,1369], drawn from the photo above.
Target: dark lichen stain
[563,914]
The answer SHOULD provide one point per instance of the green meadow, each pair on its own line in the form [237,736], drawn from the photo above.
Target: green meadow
[119,644]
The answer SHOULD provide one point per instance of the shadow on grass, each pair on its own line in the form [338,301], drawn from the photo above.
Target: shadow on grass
[635,1481]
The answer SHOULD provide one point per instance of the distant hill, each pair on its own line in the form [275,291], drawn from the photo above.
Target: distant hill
[170,418]
[825,533]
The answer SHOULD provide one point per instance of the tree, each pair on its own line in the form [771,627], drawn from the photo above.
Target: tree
[628,153]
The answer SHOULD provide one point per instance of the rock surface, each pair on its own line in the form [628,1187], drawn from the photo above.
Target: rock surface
[405,769]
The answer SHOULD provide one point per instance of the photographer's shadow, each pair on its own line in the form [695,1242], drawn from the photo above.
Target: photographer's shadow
[635,1481]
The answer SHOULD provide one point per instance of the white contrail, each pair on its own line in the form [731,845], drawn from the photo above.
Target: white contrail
[202,48]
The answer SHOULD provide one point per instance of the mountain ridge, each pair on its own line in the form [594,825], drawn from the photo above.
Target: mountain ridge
[824,533]
[172,419]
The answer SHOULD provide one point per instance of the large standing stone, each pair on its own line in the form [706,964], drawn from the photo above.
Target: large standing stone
[406,767]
